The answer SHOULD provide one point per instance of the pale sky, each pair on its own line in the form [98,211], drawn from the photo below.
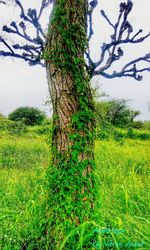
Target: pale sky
[21,85]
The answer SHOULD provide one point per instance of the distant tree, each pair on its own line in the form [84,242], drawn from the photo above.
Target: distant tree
[120,114]
[101,110]
[138,125]
[115,112]
[28,115]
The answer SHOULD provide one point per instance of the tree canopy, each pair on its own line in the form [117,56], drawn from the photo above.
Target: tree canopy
[28,115]
[115,112]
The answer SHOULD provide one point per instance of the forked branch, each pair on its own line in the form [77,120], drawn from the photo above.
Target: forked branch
[32,50]
[113,51]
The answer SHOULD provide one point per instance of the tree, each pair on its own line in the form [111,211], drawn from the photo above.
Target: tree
[28,115]
[73,207]
[115,112]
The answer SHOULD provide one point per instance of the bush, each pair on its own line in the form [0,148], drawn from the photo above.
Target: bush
[146,125]
[116,113]
[12,127]
[41,130]
[104,132]
[137,124]
[117,134]
[28,115]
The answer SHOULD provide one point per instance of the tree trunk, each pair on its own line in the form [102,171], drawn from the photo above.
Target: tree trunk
[72,178]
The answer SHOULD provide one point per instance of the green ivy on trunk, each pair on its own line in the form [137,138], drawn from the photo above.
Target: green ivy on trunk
[73,186]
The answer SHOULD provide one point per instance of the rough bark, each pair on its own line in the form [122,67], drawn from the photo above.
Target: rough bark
[62,86]
[71,176]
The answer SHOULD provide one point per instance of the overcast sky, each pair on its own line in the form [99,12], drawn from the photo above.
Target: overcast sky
[21,85]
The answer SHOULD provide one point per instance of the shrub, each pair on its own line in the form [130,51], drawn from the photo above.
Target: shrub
[12,127]
[42,129]
[137,124]
[28,115]
[116,113]
[146,125]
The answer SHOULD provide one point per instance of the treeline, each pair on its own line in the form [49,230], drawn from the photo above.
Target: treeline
[19,121]
[114,120]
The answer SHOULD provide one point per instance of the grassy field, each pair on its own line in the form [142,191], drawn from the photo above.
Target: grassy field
[123,174]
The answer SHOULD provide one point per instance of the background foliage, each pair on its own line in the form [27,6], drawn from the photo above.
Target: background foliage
[27,115]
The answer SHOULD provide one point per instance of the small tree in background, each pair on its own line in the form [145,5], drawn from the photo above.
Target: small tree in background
[115,112]
[28,115]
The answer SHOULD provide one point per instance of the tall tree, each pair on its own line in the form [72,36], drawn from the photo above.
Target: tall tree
[72,184]
[65,52]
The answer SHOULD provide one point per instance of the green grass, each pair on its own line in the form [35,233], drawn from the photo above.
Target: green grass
[23,162]
[23,153]
[123,174]
[124,184]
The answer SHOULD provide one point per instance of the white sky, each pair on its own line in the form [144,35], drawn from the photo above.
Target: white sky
[21,85]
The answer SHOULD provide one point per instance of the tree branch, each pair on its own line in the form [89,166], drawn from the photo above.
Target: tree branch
[112,51]
[44,5]
[29,52]
[129,70]
[107,19]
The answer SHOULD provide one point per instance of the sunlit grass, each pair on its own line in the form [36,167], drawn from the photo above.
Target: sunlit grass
[124,183]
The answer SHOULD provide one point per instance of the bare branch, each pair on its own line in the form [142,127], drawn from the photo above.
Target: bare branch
[29,52]
[44,5]
[107,19]
[6,44]
[24,57]
[129,70]
[112,51]
[90,62]
[90,33]
[31,17]
[90,30]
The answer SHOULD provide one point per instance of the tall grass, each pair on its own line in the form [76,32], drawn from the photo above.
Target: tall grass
[23,162]
[23,153]
[124,182]
[124,185]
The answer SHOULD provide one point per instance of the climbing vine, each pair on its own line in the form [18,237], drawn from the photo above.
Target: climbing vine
[72,176]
